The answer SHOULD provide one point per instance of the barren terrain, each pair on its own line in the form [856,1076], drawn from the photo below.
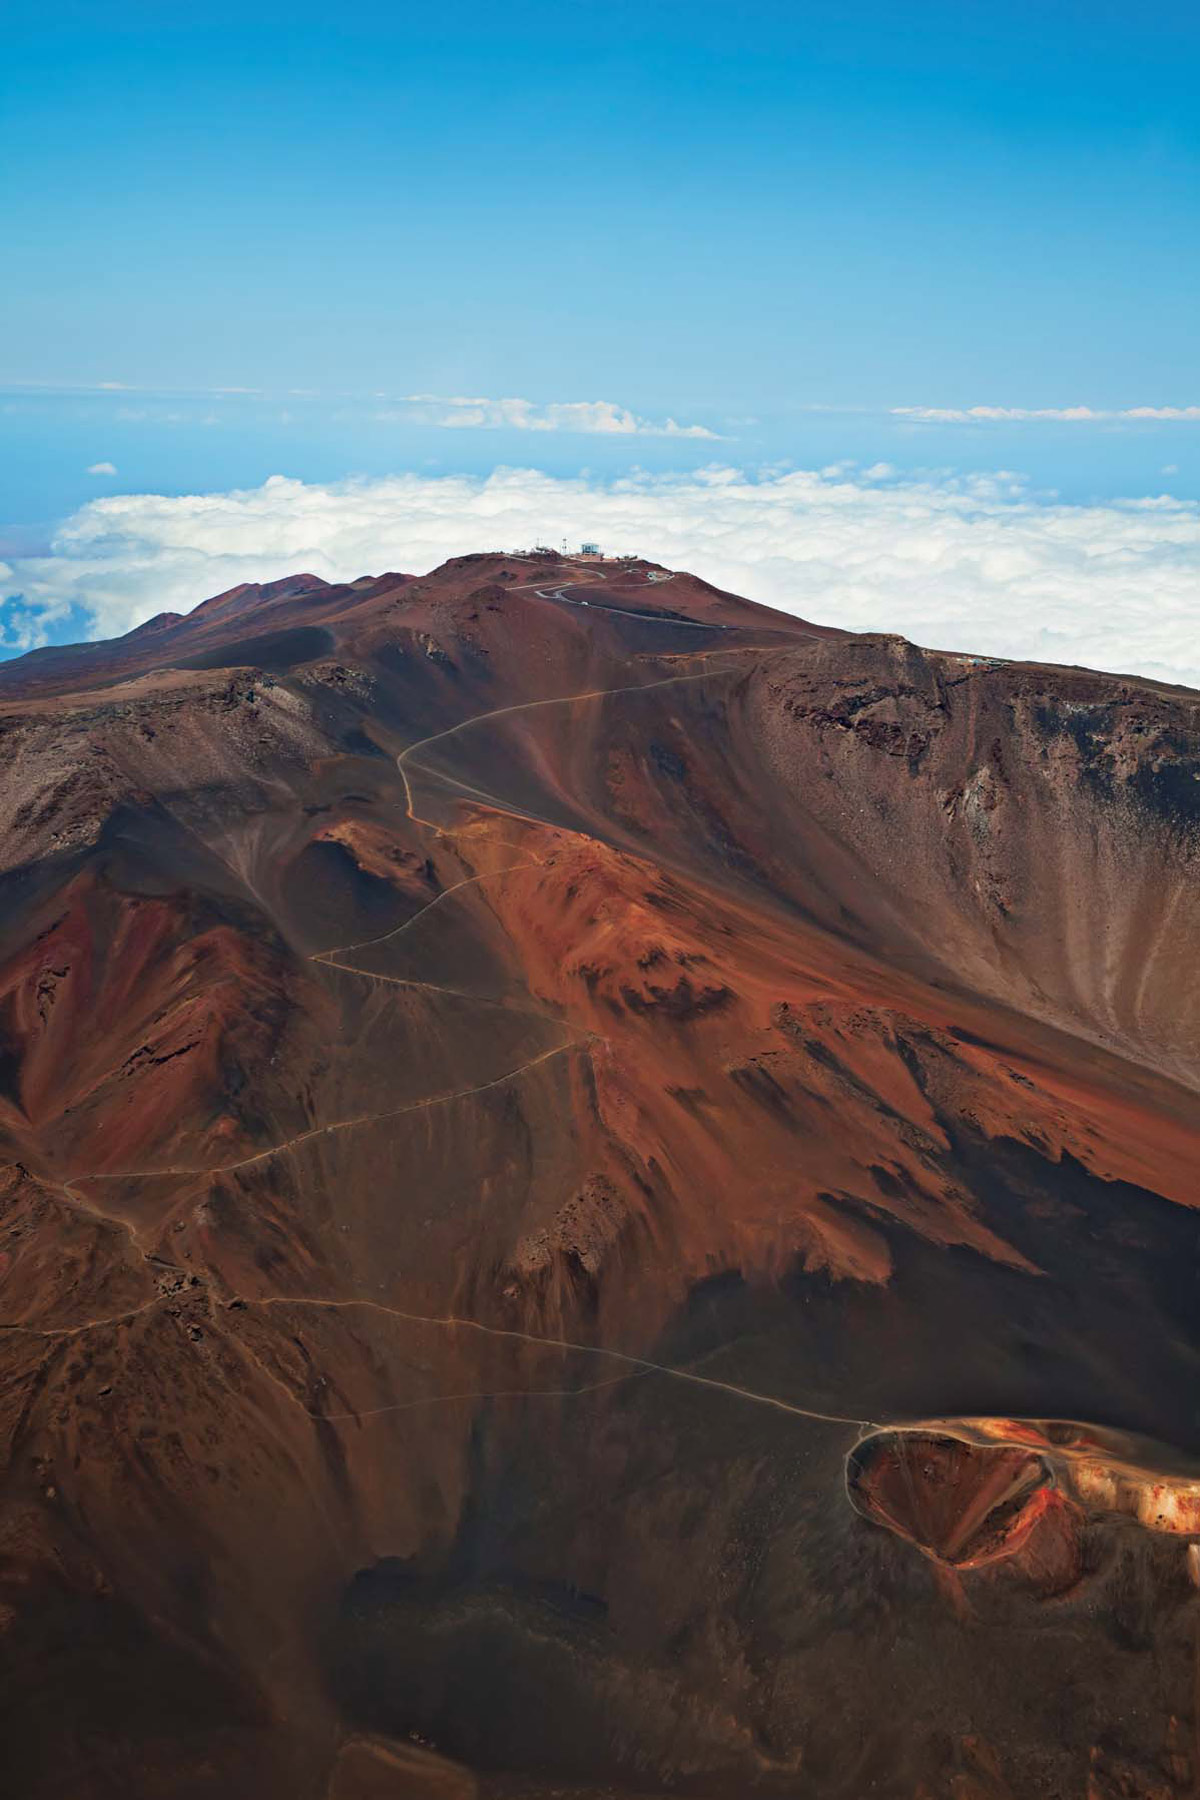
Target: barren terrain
[599,1198]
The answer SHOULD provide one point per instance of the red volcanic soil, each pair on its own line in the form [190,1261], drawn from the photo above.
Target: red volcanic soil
[565,1136]
[968,1505]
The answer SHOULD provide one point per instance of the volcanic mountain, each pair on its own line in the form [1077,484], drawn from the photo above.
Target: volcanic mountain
[599,1197]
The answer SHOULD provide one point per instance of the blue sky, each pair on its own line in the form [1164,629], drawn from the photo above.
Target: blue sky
[777,223]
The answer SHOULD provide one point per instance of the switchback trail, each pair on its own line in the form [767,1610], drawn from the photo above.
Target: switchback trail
[327,958]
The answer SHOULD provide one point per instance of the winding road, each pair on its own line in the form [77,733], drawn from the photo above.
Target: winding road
[655,578]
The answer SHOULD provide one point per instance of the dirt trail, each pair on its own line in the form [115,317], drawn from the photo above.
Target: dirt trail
[645,1365]
[317,1131]
[500,712]
[67,1331]
[385,937]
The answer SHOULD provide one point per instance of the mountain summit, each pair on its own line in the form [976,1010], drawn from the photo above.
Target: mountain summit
[598,1197]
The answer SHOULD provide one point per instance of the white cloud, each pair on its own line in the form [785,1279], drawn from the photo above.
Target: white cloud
[587,416]
[980,564]
[1069,415]
[102,468]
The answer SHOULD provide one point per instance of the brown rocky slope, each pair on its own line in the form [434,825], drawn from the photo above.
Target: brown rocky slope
[599,1197]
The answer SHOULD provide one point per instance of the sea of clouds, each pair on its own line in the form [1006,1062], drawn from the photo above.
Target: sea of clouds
[977,563]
